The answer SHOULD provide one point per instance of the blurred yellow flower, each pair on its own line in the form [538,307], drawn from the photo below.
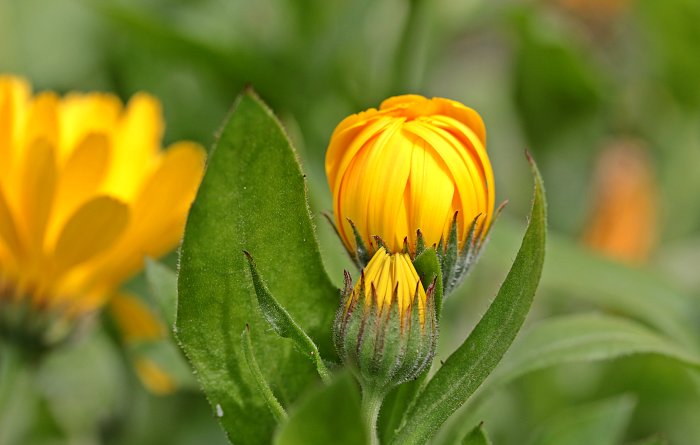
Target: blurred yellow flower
[411,165]
[86,193]
[390,279]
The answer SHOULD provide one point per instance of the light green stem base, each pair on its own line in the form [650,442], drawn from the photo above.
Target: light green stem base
[371,403]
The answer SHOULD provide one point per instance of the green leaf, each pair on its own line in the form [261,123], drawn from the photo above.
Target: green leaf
[600,423]
[585,338]
[654,440]
[163,285]
[275,408]
[473,361]
[283,323]
[477,436]
[572,339]
[395,405]
[252,197]
[327,415]
[580,274]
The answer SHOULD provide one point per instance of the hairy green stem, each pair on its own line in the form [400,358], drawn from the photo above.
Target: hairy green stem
[371,403]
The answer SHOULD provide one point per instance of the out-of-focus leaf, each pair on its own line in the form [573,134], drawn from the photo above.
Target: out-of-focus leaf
[583,338]
[163,285]
[555,86]
[601,423]
[326,415]
[84,384]
[252,198]
[473,361]
[673,34]
[477,436]
[652,441]
[580,274]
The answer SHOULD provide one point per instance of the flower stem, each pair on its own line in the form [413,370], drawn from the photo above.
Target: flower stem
[15,394]
[371,403]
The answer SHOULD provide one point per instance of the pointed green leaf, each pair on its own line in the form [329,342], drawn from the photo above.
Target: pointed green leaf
[275,408]
[253,196]
[572,339]
[585,338]
[326,415]
[283,323]
[477,436]
[465,370]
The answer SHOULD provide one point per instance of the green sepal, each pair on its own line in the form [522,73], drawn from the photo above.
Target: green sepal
[384,347]
[420,242]
[456,263]
[380,244]
[361,256]
[451,253]
[263,387]
[282,322]
[367,340]
[427,265]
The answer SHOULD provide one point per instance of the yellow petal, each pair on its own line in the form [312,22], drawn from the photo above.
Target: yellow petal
[171,189]
[38,186]
[154,377]
[136,321]
[8,229]
[92,229]
[80,179]
[136,145]
[83,114]
[42,120]
[13,95]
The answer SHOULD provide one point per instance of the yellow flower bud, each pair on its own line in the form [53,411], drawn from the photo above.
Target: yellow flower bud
[410,165]
[386,327]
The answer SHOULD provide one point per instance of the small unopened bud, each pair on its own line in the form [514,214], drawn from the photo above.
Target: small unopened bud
[386,329]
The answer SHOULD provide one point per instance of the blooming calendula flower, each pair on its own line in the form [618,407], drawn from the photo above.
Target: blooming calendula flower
[386,326]
[410,166]
[85,194]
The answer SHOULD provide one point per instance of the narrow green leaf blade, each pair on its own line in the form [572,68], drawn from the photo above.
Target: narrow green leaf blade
[327,415]
[275,408]
[474,360]
[253,196]
[477,436]
[283,323]
[585,338]
[573,339]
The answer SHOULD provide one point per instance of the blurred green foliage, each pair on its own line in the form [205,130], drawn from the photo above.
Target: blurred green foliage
[543,74]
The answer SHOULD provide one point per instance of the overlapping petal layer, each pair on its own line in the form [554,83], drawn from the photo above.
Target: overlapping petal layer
[411,165]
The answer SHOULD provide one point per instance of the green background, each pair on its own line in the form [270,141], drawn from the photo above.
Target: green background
[542,76]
